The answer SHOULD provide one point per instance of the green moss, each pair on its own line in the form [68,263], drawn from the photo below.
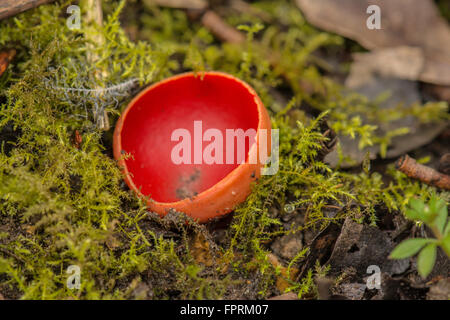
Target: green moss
[61,205]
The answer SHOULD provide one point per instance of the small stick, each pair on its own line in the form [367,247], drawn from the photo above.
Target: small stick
[418,171]
[12,255]
[9,8]
[94,14]
[214,23]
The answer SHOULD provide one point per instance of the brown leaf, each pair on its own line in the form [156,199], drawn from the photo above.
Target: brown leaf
[414,23]
[285,275]
[5,58]
[399,62]
[320,248]
[437,92]
[440,290]
[366,78]
[77,139]
[444,164]
[200,250]
[360,246]
[286,296]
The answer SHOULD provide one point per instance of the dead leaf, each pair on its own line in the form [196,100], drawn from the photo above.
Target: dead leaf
[437,92]
[77,139]
[200,250]
[360,246]
[440,290]
[29,228]
[5,58]
[320,248]
[285,296]
[288,246]
[413,23]
[444,164]
[352,291]
[399,62]
[285,276]
[370,84]
[401,288]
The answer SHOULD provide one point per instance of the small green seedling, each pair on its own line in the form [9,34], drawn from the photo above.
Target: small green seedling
[434,215]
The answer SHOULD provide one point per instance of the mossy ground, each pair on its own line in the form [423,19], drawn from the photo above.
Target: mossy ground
[62,204]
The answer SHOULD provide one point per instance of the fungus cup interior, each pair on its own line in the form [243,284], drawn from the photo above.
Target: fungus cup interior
[218,100]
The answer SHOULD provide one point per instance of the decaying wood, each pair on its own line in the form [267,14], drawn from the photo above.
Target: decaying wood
[222,30]
[5,58]
[9,8]
[418,171]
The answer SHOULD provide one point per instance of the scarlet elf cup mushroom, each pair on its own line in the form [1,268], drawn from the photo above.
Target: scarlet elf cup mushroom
[194,143]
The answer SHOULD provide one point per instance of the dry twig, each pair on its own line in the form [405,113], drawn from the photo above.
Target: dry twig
[222,30]
[418,171]
[94,15]
[9,8]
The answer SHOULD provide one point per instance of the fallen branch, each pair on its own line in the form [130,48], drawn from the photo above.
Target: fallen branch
[9,8]
[418,171]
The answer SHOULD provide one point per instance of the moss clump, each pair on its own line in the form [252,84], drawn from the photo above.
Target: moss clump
[63,204]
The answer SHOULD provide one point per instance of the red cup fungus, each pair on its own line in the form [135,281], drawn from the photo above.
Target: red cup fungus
[186,143]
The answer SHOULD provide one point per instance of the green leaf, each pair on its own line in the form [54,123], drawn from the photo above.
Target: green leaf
[426,260]
[417,204]
[416,209]
[446,244]
[447,229]
[408,248]
[439,210]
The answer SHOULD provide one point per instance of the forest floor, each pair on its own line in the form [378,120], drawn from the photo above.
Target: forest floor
[323,227]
